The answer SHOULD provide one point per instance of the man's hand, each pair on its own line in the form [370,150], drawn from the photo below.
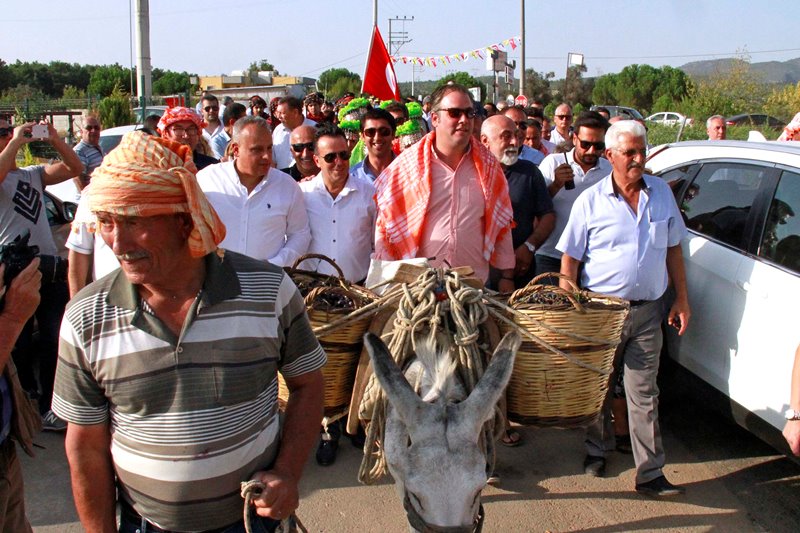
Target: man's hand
[679,315]
[563,173]
[22,133]
[280,497]
[505,286]
[524,259]
[792,434]
[22,297]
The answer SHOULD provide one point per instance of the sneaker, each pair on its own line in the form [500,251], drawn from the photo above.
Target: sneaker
[326,451]
[50,422]
[594,466]
[659,488]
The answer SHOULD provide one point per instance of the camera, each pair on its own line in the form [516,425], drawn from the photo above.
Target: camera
[18,254]
[40,131]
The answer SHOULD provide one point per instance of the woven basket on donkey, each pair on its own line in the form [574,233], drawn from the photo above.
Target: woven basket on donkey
[329,298]
[547,389]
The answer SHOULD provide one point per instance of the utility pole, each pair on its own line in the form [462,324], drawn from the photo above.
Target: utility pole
[522,50]
[144,68]
[398,38]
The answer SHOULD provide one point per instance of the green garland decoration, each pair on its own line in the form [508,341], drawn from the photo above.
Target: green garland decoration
[352,105]
[350,125]
[409,127]
[414,110]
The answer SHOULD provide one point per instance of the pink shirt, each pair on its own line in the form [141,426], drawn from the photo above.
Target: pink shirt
[454,225]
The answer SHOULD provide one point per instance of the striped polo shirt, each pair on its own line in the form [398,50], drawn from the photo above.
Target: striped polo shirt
[90,155]
[193,415]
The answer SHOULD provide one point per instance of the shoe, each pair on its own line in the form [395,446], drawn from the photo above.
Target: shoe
[493,480]
[50,422]
[358,439]
[659,488]
[326,451]
[624,444]
[511,438]
[594,466]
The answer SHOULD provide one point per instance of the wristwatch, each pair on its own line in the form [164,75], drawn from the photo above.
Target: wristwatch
[530,246]
[791,414]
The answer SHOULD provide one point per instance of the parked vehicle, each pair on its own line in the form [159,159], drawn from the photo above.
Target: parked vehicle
[618,110]
[755,119]
[110,138]
[670,118]
[149,110]
[741,204]
[60,215]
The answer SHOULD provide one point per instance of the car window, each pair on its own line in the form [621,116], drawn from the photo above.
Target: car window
[53,216]
[718,201]
[781,240]
[657,117]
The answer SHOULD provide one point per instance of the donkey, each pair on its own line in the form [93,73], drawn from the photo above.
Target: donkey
[431,442]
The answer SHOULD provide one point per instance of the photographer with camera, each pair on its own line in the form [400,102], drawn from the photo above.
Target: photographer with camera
[21,211]
[19,420]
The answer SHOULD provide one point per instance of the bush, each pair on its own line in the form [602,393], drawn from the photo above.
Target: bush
[661,134]
[115,109]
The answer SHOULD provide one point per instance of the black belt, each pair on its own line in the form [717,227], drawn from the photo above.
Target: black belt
[128,513]
[637,303]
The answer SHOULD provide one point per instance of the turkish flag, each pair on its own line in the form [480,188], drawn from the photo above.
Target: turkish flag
[379,78]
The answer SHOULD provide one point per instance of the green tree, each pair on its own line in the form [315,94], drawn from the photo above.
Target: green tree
[335,82]
[169,82]
[537,85]
[262,65]
[575,89]
[115,109]
[737,89]
[641,86]
[105,78]
[465,79]
[784,102]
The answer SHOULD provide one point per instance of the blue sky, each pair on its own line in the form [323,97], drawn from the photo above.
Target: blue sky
[307,37]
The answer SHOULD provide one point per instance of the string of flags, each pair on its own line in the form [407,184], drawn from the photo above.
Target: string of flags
[478,53]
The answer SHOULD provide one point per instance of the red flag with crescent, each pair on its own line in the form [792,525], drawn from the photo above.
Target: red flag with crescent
[379,78]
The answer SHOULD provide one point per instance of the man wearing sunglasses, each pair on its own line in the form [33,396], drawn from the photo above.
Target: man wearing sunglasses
[378,128]
[262,208]
[569,174]
[22,210]
[214,127]
[626,231]
[302,146]
[563,120]
[445,198]
[89,151]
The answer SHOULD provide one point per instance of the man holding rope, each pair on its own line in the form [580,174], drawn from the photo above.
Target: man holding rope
[627,230]
[167,369]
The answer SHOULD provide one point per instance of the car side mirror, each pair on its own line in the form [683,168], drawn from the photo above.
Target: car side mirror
[70,208]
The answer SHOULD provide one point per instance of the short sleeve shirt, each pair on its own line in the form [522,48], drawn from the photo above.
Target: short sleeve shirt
[529,198]
[22,208]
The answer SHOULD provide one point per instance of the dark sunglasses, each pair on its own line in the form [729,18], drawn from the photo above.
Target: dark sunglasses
[5,132]
[456,112]
[598,146]
[331,157]
[299,147]
[91,128]
[563,117]
[208,108]
[383,132]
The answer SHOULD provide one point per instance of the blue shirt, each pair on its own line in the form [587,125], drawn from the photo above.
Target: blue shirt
[529,154]
[359,170]
[624,254]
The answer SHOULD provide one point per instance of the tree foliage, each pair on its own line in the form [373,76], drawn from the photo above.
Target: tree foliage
[574,89]
[784,102]
[106,77]
[730,92]
[335,82]
[262,65]
[115,109]
[643,87]
[465,79]
[537,85]
[169,82]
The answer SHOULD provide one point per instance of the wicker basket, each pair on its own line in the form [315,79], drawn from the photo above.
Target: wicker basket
[546,388]
[343,345]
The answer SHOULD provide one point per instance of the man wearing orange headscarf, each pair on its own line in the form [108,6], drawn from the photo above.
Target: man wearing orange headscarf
[183,125]
[167,367]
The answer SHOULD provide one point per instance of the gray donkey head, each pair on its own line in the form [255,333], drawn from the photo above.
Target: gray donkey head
[432,445]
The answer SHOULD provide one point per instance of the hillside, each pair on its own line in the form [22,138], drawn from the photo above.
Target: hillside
[773,71]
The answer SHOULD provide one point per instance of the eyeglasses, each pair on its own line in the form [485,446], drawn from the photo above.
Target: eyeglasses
[180,130]
[299,147]
[6,132]
[563,117]
[598,146]
[344,155]
[383,132]
[632,152]
[209,108]
[456,112]
[92,128]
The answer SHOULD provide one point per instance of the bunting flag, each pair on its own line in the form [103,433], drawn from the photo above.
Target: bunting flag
[379,78]
[435,61]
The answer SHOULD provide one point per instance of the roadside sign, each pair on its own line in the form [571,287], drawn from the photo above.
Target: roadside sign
[521,100]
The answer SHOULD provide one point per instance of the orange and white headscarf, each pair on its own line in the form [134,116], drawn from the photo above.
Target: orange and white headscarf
[148,176]
[180,114]
[792,130]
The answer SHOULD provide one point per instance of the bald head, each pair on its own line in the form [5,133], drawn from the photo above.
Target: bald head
[302,134]
[303,138]
[499,135]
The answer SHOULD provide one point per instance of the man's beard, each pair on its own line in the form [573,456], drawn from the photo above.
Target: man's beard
[510,157]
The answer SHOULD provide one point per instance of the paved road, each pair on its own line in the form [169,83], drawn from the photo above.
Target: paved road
[735,483]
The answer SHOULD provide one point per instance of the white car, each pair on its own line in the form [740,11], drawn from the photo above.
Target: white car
[669,118]
[741,204]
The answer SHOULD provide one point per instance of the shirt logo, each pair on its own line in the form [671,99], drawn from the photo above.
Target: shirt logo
[27,201]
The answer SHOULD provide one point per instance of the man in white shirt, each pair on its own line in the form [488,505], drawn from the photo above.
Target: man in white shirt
[262,208]
[569,174]
[214,127]
[563,119]
[290,113]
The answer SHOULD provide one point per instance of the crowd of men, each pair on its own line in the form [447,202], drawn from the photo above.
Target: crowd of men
[181,314]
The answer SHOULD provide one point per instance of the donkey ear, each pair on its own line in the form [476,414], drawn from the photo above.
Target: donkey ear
[400,394]
[479,407]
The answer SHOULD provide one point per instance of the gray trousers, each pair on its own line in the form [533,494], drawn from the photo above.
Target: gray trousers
[639,352]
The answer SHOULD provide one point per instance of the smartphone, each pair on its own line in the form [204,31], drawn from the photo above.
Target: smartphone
[40,131]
